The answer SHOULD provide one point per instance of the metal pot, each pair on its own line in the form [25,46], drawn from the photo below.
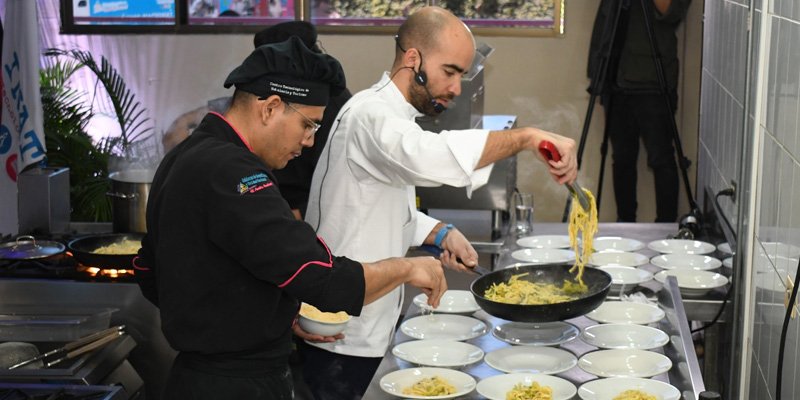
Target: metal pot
[28,248]
[129,191]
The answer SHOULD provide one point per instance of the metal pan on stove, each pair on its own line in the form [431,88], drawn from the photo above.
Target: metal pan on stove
[29,248]
[85,250]
[598,282]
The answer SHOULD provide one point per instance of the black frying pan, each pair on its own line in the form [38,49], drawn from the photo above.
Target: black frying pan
[598,281]
[83,250]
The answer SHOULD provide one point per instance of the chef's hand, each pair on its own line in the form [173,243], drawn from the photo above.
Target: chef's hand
[314,338]
[565,170]
[427,274]
[458,253]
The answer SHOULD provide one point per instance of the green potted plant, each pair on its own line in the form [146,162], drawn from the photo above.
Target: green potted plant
[66,115]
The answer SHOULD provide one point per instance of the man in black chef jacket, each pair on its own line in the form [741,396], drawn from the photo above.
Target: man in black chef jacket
[224,258]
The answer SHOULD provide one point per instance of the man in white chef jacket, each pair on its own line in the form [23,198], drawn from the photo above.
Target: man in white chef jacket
[362,199]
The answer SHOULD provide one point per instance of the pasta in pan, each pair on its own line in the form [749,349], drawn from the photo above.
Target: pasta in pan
[519,291]
[433,386]
[534,391]
[634,395]
[126,246]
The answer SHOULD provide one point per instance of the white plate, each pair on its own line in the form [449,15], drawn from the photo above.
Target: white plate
[443,326]
[621,258]
[728,262]
[544,256]
[626,312]
[624,336]
[438,353]
[725,248]
[544,242]
[681,246]
[394,382]
[538,360]
[686,261]
[627,276]
[625,363]
[693,283]
[496,387]
[453,301]
[608,388]
[609,243]
[536,333]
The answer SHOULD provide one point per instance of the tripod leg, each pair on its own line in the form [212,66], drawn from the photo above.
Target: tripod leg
[603,155]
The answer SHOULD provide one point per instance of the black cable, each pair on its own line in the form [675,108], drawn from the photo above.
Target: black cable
[785,327]
[725,192]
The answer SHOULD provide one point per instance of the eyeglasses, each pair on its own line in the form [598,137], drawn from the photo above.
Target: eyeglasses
[312,126]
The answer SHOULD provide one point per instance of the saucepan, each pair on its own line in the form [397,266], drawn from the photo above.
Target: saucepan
[85,250]
[597,281]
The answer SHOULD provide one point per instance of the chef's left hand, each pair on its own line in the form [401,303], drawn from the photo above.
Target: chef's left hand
[314,338]
[458,254]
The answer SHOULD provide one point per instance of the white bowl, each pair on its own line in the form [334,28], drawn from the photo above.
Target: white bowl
[620,258]
[394,382]
[608,388]
[624,363]
[686,261]
[624,336]
[544,256]
[681,246]
[438,353]
[532,359]
[628,277]
[319,327]
[615,243]
[626,312]
[693,283]
[453,301]
[443,326]
[496,387]
[544,242]
[728,262]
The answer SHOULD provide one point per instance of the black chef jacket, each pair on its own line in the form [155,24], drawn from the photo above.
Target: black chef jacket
[225,260]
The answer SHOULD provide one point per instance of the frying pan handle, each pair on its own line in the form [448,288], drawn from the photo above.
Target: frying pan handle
[549,151]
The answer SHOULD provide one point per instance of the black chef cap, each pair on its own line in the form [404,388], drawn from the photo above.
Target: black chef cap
[306,31]
[290,70]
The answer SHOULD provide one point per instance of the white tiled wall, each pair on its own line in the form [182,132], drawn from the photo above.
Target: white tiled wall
[778,189]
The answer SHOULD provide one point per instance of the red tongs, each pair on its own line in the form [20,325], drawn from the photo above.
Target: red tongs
[550,152]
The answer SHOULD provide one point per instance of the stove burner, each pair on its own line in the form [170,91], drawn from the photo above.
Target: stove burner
[61,266]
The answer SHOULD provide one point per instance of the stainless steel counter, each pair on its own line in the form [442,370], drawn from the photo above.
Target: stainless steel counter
[685,373]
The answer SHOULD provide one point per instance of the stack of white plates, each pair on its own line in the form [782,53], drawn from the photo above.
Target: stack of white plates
[541,360]
[624,336]
[438,353]
[619,258]
[624,363]
[544,256]
[693,283]
[681,246]
[443,326]
[626,312]
[686,261]
[615,243]
[544,242]
[626,278]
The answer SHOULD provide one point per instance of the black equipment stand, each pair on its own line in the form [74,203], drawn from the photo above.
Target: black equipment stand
[598,85]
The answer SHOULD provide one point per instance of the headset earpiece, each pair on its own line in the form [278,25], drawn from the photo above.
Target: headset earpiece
[421,78]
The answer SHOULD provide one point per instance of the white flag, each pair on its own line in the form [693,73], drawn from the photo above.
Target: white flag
[21,132]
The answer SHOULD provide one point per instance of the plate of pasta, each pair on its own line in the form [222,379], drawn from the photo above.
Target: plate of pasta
[427,383]
[543,256]
[625,363]
[521,386]
[443,326]
[628,389]
[616,243]
[626,312]
[544,241]
[438,353]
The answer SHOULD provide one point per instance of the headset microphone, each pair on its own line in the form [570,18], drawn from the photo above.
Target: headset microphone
[422,79]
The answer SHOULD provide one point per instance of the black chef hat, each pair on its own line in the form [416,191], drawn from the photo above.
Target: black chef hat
[306,31]
[290,70]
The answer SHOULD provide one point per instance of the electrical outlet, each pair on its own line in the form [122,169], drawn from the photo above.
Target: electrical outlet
[788,295]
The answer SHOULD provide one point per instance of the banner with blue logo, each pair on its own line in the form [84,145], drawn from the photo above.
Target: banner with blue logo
[21,132]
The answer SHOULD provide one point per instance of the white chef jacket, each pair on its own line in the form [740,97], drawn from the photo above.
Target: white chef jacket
[362,200]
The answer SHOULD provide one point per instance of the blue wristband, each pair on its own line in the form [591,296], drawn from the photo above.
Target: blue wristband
[441,234]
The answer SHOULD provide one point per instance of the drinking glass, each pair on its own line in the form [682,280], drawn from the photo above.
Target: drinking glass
[523,213]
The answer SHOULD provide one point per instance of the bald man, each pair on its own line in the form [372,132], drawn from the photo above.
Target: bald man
[362,199]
